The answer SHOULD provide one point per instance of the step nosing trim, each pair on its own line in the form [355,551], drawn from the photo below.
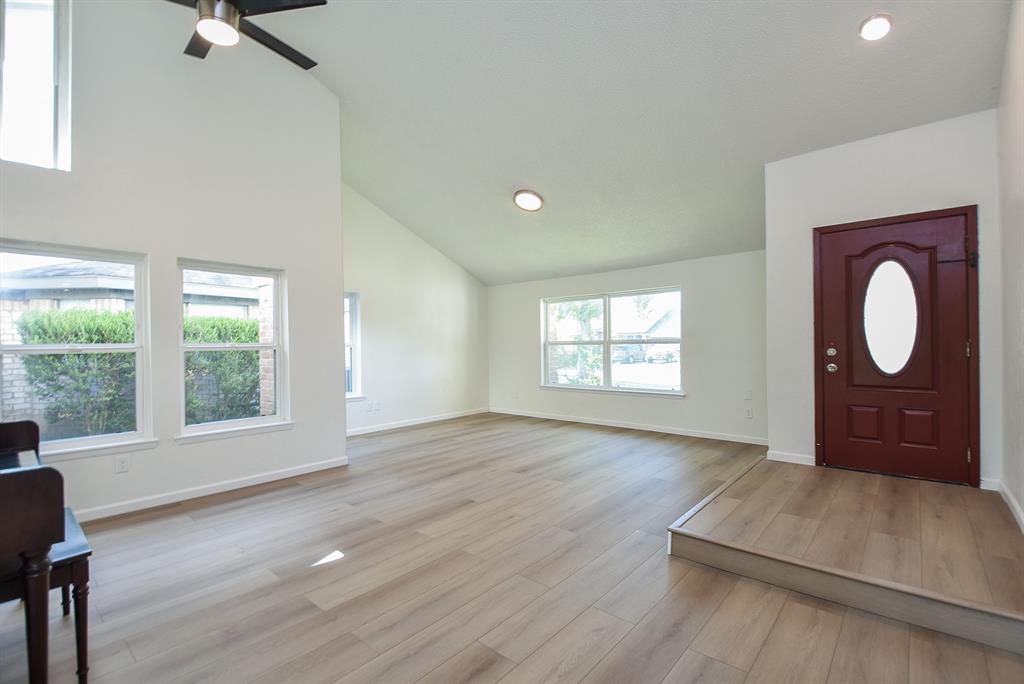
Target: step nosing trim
[919,592]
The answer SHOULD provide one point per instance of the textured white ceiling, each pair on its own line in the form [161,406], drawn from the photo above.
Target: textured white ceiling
[644,125]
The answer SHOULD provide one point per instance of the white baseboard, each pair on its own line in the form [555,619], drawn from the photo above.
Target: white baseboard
[413,421]
[109,510]
[745,439]
[1008,497]
[1012,503]
[788,457]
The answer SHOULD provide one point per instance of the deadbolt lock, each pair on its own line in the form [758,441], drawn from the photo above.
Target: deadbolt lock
[831,351]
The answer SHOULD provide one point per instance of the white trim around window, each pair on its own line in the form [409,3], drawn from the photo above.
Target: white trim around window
[58,155]
[142,436]
[608,344]
[276,346]
[353,348]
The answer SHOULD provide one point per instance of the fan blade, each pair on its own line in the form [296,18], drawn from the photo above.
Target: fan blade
[198,46]
[265,39]
[250,8]
[184,3]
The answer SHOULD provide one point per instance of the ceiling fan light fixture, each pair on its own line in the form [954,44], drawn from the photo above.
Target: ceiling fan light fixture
[528,200]
[218,22]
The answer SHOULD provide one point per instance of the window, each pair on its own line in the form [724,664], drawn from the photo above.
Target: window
[353,360]
[626,341]
[35,82]
[73,344]
[232,352]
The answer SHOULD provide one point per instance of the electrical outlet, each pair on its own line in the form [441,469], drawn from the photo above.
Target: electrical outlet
[748,395]
[122,464]
[750,413]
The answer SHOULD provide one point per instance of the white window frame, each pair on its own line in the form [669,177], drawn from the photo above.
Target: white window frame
[606,343]
[282,415]
[355,344]
[142,436]
[61,83]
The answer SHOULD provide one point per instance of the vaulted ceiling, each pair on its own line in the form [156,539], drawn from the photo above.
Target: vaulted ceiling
[645,125]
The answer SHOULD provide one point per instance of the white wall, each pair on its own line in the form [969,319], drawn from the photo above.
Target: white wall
[423,324]
[233,159]
[722,350]
[945,164]
[1011,152]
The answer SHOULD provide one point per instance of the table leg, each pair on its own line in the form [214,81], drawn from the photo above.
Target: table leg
[36,572]
[81,596]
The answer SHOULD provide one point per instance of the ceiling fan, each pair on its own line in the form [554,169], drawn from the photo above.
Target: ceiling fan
[220,22]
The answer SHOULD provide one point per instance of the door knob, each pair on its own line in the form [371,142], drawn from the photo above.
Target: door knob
[832,368]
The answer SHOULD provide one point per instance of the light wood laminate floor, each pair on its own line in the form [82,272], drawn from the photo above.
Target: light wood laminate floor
[484,549]
[956,541]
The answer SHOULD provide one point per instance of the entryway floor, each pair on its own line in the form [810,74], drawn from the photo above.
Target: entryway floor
[953,540]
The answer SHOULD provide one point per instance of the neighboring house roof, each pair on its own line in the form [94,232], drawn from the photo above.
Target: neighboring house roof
[667,325]
[73,269]
[105,275]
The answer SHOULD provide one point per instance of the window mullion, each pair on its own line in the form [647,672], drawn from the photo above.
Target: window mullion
[140,393]
[36,349]
[607,363]
[226,346]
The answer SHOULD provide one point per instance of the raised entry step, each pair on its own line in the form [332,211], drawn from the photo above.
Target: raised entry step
[943,557]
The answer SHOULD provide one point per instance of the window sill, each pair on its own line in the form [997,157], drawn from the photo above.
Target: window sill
[47,456]
[616,390]
[228,433]
[355,397]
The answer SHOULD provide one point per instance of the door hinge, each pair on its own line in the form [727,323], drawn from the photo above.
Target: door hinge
[968,349]
[972,256]
[968,454]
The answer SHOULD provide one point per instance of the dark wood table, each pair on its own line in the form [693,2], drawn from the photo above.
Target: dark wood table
[32,521]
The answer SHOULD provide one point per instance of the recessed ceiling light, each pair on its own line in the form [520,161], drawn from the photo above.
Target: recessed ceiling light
[528,200]
[875,27]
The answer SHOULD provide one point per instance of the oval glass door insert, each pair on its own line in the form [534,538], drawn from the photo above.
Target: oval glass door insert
[890,317]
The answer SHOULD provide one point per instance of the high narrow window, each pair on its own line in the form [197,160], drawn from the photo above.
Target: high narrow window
[353,366]
[628,341]
[232,351]
[35,82]
[73,344]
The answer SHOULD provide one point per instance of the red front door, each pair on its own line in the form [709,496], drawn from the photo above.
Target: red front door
[896,363]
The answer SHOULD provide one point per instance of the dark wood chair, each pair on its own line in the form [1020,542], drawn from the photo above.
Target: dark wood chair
[69,570]
[42,547]
[20,435]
